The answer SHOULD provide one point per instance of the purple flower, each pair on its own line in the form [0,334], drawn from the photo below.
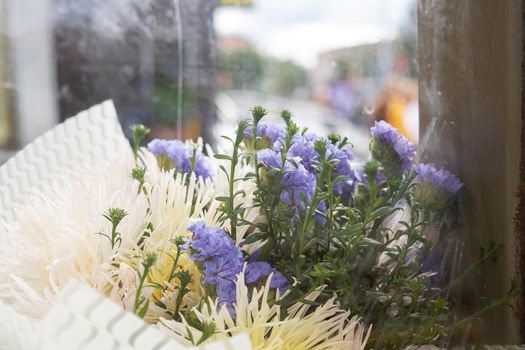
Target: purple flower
[441,179]
[391,148]
[435,189]
[297,183]
[386,132]
[303,148]
[436,263]
[158,146]
[270,158]
[223,260]
[272,132]
[280,282]
[258,271]
[203,166]
[223,268]
[183,155]
[343,168]
[210,242]
[227,293]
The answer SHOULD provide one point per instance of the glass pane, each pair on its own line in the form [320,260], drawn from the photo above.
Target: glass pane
[194,68]
[190,68]
[336,68]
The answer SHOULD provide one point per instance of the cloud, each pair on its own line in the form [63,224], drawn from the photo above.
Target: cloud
[304,41]
[301,29]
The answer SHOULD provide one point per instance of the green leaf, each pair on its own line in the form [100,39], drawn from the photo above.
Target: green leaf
[255,237]
[339,179]
[227,138]
[142,311]
[240,192]
[366,241]
[222,156]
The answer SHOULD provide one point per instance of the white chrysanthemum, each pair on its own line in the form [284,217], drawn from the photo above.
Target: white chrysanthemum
[325,327]
[54,239]
[174,200]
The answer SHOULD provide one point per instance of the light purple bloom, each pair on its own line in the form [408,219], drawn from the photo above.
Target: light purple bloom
[303,148]
[279,281]
[343,168]
[203,166]
[227,294]
[223,260]
[270,158]
[400,144]
[258,271]
[296,183]
[434,264]
[222,268]
[442,180]
[182,154]
[272,132]
[158,146]
[209,242]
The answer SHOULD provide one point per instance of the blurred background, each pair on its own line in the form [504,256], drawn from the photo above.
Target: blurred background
[190,68]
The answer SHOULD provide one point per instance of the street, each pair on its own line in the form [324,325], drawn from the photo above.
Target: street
[234,105]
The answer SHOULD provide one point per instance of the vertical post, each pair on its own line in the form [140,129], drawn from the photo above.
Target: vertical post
[30,36]
[470,100]
[7,125]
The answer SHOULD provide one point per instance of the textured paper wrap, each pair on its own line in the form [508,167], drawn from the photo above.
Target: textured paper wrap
[91,138]
[81,318]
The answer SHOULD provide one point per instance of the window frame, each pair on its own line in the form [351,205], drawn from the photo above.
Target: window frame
[470,88]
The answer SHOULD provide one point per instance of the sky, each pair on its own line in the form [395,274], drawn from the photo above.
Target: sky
[301,29]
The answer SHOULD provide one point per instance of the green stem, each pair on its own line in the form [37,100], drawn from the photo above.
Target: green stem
[330,213]
[142,279]
[175,264]
[302,232]
[180,296]
[232,215]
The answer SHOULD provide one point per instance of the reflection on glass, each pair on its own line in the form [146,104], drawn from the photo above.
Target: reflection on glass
[337,68]
[189,68]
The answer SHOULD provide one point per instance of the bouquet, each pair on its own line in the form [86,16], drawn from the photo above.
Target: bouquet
[283,236]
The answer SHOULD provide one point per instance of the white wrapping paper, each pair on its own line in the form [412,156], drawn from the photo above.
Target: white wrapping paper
[81,318]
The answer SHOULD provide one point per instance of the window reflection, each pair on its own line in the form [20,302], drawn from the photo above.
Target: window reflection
[188,68]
